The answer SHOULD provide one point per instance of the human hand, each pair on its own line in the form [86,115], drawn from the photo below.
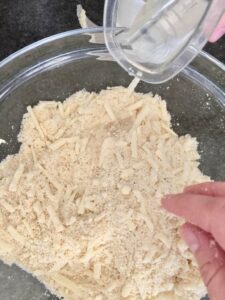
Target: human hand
[203,207]
[219,31]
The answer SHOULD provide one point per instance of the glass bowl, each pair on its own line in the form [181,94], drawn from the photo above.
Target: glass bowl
[56,67]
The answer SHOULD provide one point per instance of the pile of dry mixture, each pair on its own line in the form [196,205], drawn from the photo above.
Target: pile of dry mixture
[80,202]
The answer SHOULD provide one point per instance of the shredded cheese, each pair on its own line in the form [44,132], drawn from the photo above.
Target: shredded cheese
[16,178]
[107,148]
[36,123]
[142,115]
[80,202]
[50,178]
[136,105]
[69,284]
[109,111]
[58,144]
[134,145]
[54,218]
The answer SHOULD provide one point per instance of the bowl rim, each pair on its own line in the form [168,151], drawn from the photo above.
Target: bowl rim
[86,31]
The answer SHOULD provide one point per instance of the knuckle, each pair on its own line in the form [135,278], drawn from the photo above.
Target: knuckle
[206,272]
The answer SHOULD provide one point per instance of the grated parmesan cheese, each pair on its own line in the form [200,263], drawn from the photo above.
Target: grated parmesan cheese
[80,202]
[7,206]
[5,247]
[16,235]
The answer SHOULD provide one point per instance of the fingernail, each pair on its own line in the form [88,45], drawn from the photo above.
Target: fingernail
[191,239]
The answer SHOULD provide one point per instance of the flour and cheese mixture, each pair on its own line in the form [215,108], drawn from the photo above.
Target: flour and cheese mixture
[80,202]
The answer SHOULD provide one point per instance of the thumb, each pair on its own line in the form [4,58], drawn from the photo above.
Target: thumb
[219,31]
[210,258]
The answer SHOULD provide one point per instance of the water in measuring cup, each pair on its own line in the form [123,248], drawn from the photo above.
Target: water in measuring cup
[157,30]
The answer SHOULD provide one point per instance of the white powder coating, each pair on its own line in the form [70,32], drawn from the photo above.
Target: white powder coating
[80,202]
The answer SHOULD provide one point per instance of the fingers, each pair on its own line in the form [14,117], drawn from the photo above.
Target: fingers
[216,189]
[196,209]
[206,212]
[219,31]
[210,257]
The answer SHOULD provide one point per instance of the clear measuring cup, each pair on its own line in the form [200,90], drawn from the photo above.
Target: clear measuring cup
[156,39]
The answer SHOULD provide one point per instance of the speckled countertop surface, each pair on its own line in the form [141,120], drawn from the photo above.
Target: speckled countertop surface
[25,21]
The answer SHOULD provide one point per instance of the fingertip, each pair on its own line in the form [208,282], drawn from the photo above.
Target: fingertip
[214,38]
[166,201]
[217,35]
[175,204]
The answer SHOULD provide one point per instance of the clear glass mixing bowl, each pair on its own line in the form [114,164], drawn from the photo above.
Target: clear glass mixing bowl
[58,66]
